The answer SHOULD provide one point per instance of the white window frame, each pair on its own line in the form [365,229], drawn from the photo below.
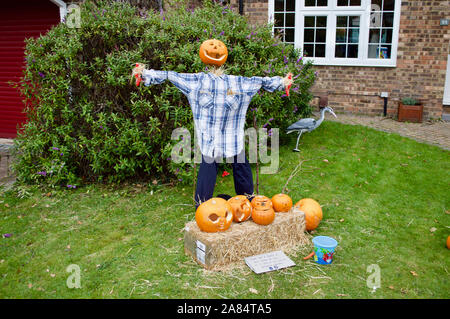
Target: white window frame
[332,11]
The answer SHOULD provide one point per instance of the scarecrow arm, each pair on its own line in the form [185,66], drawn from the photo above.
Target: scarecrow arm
[254,84]
[185,82]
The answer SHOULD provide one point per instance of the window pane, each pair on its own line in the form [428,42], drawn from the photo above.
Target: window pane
[290,5]
[354,21]
[352,51]
[340,50]
[320,51]
[375,20]
[341,21]
[279,19]
[322,3]
[386,36]
[377,3]
[310,22]
[279,5]
[341,35]
[353,35]
[384,52]
[321,35]
[373,51]
[309,35]
[289,35]
[389,5]
[374,36]
[388,20]
[342,3]
[355,2]
[310,3]
[308,49]
[322,22]
[290,19]
[279,32]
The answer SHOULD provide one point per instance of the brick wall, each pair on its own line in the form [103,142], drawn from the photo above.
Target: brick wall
[421,63]
[255,10]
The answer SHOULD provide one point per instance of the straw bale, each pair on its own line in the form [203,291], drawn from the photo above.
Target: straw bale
[215,250]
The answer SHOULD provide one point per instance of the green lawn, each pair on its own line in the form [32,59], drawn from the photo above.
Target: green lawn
[385,199]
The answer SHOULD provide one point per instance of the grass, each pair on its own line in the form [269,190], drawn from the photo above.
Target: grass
[385,199]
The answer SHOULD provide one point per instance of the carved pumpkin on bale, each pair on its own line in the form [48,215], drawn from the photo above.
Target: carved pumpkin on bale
[214,215]
[213,52]
[312,210]
[262,210]
[241,207]
[281,203]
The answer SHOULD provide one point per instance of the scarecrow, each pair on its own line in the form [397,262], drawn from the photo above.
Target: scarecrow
[219,103]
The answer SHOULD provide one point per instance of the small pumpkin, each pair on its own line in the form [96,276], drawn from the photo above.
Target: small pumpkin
[241,207]
[262,210]
[213,52]
[312,210]
[448,242]
[281,202]
[214,215]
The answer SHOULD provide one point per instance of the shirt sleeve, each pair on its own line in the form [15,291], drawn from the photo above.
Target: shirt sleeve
[185,82]
[254,84]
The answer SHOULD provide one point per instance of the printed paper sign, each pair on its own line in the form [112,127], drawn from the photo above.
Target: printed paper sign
[200,250]
[268,262]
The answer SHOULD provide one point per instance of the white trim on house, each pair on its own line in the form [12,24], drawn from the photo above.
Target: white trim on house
[62,8]
[446,100]
[332,11]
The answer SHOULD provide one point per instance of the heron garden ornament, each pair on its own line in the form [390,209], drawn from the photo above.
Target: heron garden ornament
[308,125]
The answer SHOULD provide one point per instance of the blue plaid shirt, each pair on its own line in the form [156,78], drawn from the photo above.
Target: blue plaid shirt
[218,103]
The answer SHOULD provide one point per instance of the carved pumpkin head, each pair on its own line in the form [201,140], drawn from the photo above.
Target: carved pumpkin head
[312,210]
[262,211]
[213,52]
[241,208]
[214,215]
[281,202]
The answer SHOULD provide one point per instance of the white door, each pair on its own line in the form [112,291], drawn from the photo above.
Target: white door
[447,84]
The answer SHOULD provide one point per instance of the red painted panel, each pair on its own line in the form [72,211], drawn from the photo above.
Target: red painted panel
[18,20]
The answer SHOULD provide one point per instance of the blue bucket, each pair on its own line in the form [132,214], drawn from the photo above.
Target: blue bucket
[324,249]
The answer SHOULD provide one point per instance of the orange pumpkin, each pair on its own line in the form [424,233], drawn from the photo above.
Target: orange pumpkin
[262,210]
[281,202]
[448,242]
[214,215]
[312,210]
[241,208]
[213,52]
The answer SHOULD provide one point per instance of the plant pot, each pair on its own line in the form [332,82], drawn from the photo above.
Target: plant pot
[410,113]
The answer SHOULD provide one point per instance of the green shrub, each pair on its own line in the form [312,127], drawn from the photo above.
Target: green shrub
[91,124]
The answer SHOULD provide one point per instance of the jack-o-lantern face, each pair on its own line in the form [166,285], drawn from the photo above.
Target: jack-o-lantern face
[214,215]
[213,52]
[241,208]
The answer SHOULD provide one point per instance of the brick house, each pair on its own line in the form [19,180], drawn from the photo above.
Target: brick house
[362,48]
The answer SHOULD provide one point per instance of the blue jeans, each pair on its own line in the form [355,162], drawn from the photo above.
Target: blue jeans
[206,180]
